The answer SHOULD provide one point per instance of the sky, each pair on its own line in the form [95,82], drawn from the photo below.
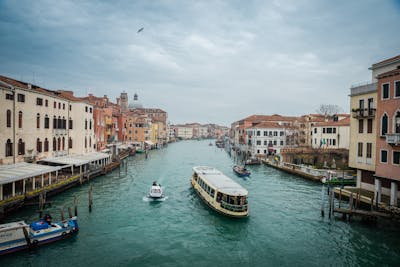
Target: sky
[201,61]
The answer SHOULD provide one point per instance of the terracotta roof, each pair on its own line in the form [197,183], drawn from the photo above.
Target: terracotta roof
[266,124]
[386,61]
[343,122]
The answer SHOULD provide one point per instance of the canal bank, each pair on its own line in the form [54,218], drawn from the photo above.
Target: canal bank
[284,227]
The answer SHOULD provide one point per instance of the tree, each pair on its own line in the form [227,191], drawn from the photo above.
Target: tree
[329,109]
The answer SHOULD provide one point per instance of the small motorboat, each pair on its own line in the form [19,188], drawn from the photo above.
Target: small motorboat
[241,171]
[156,191]
[252,161]
[17,236]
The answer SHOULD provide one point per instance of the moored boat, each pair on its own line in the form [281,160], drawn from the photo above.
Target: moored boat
[241,171]
[252,161]
[17,236]
[220,192]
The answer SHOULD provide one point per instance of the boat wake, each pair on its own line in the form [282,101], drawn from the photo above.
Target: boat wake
[150,199]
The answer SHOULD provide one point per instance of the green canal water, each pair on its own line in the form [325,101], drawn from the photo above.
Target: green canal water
[284,227]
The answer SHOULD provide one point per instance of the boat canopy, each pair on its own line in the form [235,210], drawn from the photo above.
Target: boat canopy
[220,181]
[149,143]
[22,170]
[77,160]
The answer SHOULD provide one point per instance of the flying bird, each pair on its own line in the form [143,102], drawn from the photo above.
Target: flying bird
[140,30]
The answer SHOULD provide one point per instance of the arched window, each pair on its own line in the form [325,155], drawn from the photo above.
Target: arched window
[64,123]
[70,142]
[59,143]
[46,145]
[46,122]
[397,122]
[59,123]
[21,147]
[55,122]
[90,125]
[8,118]
[63,143]
[9,148]
[90,141]
[38,120]
[54,144]
[85,124]
[20,119]
[85,142]
[384,124]
[38,145]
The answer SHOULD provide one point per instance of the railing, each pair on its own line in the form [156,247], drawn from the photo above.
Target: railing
[59,131]
[363,88]
[393,139]
[360,113]
[233,207]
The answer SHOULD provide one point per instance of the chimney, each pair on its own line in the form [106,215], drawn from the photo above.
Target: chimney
[29,86]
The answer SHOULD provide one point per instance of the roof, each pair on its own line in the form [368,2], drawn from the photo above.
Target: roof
[394,72]
[77,160]
[22,170]
[343,122]
[385,62]
[220,181]
[267,124]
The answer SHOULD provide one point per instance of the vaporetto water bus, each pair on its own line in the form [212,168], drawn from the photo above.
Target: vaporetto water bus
[220,192]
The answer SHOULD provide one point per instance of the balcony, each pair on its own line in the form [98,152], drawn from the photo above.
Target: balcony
[364,113]
[59,131]
[393,139]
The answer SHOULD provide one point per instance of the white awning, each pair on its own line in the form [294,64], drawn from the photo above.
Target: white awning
[149,143]
[77,160]
[19,171]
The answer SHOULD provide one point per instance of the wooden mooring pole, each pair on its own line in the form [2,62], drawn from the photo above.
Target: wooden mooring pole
[62,214]
[90,198]
[322,201]
[75,206]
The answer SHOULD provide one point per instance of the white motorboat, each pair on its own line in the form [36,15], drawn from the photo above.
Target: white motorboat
[156,191]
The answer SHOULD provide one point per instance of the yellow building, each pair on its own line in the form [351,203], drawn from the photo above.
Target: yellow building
[363,101]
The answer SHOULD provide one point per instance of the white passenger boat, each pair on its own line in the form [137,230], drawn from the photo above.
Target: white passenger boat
[16,236]
[156,191]
[220,192]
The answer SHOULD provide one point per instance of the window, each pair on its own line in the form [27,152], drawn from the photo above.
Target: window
[46,145]
[91,110]
[258,133]
[360,149]
[385,91]
[63,143]
[265,133]
[85,124]
[333,130]
[360,126]
[384,156]
[39,101]
[21,98]
[21,147]
[70,107]
[38,145]
[275,143]
[63,105]
[90,141]
[46,103]
[369,126]
[8,118]
[281,133]
[315,130]
[54,144]
[323,130]
[265,142]
[38,121]
[70,142]
[59,143]
[281,143]
[384,125]
[275,133]
[397,89]
[258,143]
[328,130]
[90,124]
[70,123]
[85,142]
[369,150]
[46,122]
[54,122]
[64,123]
[396,157]
[86,109]
[333,142]
[9,148]
[54,104]
[397,122]
[10,96]
[361,104]
[20,119]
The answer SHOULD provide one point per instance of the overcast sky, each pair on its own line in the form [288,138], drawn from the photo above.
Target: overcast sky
[201,61]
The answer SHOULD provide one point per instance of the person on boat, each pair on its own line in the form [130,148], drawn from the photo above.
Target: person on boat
[154,183]
[47,218]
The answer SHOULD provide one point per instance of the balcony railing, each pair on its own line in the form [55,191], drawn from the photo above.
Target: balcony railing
[363,113]
[393,139]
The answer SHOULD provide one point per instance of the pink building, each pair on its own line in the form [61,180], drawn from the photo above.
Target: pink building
[387,173]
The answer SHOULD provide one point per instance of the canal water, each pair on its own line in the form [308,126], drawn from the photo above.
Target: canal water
[284,227]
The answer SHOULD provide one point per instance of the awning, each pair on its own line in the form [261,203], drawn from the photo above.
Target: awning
[149,143]
[77,160]
[19,171]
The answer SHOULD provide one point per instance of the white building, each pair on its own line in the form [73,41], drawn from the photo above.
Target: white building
[266,138]
[183,132]
[39,123]
[332,134]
